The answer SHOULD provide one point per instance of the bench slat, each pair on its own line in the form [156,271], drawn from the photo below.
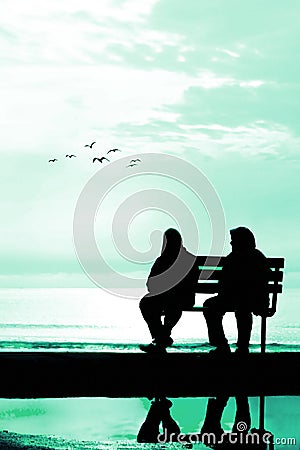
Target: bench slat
[217,261]
[201,309]
[215,275]
[212,288]
[212,261]
[276,263]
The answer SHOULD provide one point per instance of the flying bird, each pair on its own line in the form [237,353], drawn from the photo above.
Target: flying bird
[70,156]
[135,160]
[131,165]
[52,160]
[100,159]
[113,150]
[87,145]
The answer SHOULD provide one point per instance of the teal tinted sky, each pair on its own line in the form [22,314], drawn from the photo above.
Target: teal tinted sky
[214,82]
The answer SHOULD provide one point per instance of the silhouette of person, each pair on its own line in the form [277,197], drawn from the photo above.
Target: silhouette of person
[212,434]
[171,288]
[242,288]
[159,413]
[242,424]
[214,412]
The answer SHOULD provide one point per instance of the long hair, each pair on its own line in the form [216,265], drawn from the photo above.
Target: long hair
[243,238]
[172,243]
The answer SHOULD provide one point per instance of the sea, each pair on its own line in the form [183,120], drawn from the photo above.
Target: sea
[93,320]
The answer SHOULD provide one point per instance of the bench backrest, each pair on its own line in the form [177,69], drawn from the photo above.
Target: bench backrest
[210,269]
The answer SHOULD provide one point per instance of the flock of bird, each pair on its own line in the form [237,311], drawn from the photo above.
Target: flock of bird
[132,163]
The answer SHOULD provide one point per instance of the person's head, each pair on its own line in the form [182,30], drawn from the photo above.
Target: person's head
[172,241]
[242,240]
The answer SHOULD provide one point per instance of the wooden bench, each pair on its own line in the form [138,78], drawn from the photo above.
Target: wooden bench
[210,268]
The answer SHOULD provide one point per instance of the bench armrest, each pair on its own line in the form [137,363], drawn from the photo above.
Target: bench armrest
[271,312]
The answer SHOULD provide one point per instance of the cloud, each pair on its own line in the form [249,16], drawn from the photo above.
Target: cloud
[222,115]
[233,22]
[56,111]
[237,102]
[212,82]
[71,32]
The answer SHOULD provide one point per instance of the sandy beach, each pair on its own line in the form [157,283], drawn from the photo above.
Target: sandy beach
[17,441]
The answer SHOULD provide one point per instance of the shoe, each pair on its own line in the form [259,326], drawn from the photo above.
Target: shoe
[221,351]
[242,351]
[153,348]
[165,342]
[166,403]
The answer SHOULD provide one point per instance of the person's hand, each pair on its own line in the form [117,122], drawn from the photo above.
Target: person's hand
[149,284]
[259,311]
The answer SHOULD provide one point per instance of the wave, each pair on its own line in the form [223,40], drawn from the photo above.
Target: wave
[43,325]
[200,347]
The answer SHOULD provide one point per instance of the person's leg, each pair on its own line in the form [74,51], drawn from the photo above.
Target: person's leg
[152,308]
[213,416]
[172,315]
[149,430]
[213,313]
[174,304]
[244,326]
[170,427]
[242,415]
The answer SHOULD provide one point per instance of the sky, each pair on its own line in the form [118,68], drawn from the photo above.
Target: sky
[215,83]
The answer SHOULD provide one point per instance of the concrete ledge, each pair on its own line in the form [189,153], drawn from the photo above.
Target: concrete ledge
[50,375]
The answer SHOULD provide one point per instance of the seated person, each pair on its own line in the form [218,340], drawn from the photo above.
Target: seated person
[159,413]
[242,288]
[171,288]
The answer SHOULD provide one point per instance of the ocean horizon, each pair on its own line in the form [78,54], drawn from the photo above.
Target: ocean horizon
[91,320]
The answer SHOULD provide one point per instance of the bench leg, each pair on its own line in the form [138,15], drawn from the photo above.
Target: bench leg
[263,350]
[263,334]
[262,413]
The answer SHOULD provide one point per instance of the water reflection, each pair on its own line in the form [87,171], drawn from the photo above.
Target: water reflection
[160,427]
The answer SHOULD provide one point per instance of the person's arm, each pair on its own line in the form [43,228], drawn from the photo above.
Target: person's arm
[224,274]
[195,276]
[191,290]
[190,282]
[155,270]
[261,277]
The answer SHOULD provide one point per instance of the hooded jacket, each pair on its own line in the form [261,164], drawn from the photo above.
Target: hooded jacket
[244,276]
